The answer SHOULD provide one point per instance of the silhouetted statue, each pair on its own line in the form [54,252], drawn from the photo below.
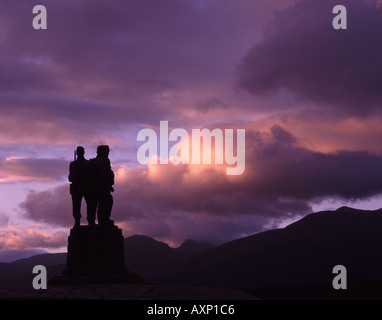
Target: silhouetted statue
[79,178]
[101,182]
[95,252]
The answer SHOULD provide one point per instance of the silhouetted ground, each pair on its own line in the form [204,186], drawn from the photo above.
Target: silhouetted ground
[125,292]
[357,291]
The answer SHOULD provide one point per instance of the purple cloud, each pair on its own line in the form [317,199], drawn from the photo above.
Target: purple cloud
[303,54]
[32,169]
[282,177]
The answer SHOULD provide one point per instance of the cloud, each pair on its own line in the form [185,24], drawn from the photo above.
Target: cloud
[139,49]
[281,180]
[51,206]
[302,54]
[292,171]
[15,169]
[80,78]
[31,238]
[321,131]
[4,219]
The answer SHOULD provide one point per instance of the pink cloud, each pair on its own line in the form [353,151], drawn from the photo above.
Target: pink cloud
[31,238]
[281,179]
[321,131]
[15,169]
[52,206]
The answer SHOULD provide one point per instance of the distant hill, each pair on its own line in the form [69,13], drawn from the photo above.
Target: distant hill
[190,247]
[299,255]
[18,274]
[155,260]
[152,259]
[9,255]
[47,259]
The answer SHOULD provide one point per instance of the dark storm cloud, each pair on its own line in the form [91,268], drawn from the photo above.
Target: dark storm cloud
[303,54]
[284,168]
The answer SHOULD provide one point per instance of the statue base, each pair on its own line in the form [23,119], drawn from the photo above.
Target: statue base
[95,254]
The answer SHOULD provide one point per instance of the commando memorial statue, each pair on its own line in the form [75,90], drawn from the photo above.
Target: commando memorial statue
[95,250]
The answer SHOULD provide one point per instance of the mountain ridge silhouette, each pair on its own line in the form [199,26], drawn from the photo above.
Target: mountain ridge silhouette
[297,261]
[298,257]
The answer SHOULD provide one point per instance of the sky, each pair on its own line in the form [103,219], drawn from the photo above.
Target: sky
[308,96]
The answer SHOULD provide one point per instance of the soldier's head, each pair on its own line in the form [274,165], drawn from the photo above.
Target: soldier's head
[103,151]
[80,151]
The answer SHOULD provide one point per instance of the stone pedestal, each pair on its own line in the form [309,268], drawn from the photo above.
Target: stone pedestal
[95,254]
[95,250]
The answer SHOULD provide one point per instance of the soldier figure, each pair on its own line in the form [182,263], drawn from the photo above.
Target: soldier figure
[79,178]
[102,181]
